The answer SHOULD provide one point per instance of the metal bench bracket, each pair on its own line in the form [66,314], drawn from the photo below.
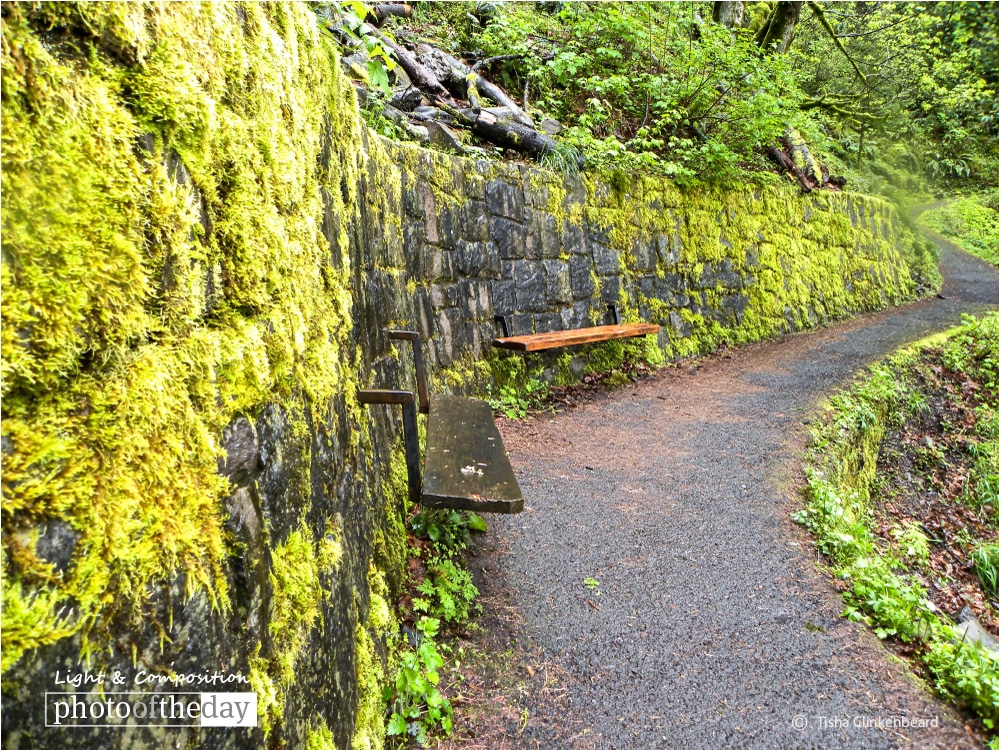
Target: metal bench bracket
[411,438]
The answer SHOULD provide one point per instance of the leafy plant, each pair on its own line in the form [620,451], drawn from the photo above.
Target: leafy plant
[913,544]
[353,24]
[448,591]
[514,402]
[448,530]
[416,703]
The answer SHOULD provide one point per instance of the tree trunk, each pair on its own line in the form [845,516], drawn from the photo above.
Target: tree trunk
[729,13]
[778,31]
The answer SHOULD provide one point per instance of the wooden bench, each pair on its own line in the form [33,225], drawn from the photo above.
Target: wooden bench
[466,464]
[537,342]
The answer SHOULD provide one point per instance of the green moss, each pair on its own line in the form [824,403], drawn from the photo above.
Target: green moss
[373,671]
[390,548]
[320,738]
[296,595]
[119,367]
[31,620]
[465,375]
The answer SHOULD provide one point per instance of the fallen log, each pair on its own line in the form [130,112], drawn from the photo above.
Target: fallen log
[381,13]
[785,163]
[418,73]
[505,133]
[458,77]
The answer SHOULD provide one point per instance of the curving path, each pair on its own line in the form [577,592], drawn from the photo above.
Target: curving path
[713,627]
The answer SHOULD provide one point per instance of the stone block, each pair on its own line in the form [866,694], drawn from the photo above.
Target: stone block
[505,200]
[521,324]
[424,313]
[573,239]
[606,259]
[504,297]
[647,286]
[509,236]
[443,295]
[545,322]
[645,255]
[567,317]
[451,335]
[475,187]
[449,226]
[610,288]
[530,281]
[580,314]
[492,268]
[471,258]
[597,234]
[475,301]
[678,324]
[668,249]
[474,221]
[431,266]
[507,268]
[550,245]
[558,284]
[581,276]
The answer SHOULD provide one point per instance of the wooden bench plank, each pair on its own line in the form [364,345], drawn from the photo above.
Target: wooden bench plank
[557,339]
[466,465]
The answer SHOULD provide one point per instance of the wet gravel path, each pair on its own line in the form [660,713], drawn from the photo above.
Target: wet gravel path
[713,627]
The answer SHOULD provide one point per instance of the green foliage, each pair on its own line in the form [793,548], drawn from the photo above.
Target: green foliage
[448,591]
[912,544]
[644,86]
[417,706]
[971,222]
[448,530]
[514,401]
[416,703]
[985,560]
[355,16]
[881,592]
[31,620]
[925,100]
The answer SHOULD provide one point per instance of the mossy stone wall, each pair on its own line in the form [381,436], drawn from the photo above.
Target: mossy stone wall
[551,252]
[188,482]
[202,249]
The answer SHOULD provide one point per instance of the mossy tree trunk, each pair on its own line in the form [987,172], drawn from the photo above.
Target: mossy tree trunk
[729,13]
[778,31]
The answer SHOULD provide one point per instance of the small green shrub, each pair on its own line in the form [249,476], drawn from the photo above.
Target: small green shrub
[912,544]
[448,530]
[513,401]
[448,592]
[417,705]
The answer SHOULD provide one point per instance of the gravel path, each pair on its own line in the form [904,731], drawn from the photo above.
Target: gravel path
[713,627]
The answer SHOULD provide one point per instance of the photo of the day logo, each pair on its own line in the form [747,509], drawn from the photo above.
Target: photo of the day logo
[151,709]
